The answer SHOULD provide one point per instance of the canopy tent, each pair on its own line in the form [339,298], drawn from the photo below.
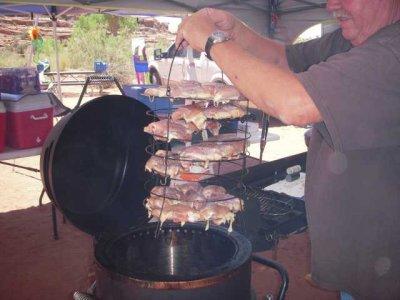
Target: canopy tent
[280,19]
[12,9]
[53,12]
[284,20]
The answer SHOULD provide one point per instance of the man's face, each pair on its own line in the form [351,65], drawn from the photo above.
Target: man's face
[359,19]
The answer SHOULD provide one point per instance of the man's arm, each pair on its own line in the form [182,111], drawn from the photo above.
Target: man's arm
[273,89]
[259,46]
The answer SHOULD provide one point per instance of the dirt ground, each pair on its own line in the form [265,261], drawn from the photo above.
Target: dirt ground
[34,266]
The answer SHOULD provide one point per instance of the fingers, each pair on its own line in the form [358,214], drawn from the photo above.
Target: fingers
[222,19]
[184,45]
[195,30]
[179,39]
[179,34]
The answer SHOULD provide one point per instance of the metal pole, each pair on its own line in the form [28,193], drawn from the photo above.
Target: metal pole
[54,221]
[265,117]
[30,58]
[54,21]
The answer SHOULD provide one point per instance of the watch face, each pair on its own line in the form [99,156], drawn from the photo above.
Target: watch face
[219,36]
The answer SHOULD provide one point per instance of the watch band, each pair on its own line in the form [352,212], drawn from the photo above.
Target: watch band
[207,48]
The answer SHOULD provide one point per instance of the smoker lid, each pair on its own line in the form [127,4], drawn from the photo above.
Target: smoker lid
[92,165]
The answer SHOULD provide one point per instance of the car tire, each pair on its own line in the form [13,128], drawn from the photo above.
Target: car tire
[155,77]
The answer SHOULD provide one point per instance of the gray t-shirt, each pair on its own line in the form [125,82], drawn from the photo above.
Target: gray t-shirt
[353,165]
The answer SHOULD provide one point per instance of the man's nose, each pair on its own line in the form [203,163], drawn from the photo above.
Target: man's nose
[333,5]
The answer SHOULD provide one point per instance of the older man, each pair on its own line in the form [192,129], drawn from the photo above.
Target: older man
[347,84]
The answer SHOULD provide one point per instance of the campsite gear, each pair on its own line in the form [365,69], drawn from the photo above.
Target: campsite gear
[92,167]
[2,126]
[100,66]
[29,121]
[19,81]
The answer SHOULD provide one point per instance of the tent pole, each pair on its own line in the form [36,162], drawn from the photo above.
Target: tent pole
[30,58]
[54,21]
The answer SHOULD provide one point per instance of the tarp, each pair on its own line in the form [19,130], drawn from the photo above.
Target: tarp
[281,19]
[10,9]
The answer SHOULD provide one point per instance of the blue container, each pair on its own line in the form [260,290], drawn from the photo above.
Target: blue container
[141,66]
[42,66]
[161,104]
[100,66]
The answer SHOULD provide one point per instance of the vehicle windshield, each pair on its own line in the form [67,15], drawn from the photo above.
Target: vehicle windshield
[180,53]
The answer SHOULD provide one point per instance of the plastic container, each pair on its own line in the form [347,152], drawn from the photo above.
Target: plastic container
[162,105]
[29,121]
[100,66]
[19,80]
[141,66]
[2,126]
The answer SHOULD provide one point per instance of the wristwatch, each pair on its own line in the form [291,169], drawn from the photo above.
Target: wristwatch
[216,37]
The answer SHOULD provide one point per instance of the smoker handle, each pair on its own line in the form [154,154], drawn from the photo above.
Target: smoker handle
[278,267]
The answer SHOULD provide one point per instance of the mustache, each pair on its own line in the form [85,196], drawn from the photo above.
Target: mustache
[340,13]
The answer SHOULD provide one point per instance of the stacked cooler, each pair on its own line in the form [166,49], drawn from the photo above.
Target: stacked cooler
[19,81]
[2,126]
[28,115]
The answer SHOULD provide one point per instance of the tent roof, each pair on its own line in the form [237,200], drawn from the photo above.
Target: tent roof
[12,9]
[175,7]
[294,16]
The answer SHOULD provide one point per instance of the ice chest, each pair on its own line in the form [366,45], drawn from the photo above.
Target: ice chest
[2,126]
[29,121]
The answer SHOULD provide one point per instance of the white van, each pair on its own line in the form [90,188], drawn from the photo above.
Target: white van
[206,70]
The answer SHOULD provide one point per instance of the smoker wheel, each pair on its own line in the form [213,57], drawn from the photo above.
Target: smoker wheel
[82,296]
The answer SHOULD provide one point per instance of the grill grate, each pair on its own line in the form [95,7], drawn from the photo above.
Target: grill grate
[272,204]
[280,215]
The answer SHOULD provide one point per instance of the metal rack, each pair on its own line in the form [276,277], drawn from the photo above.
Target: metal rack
[97,79]
[213,177]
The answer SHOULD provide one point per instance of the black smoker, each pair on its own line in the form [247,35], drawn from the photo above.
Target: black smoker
[92,167]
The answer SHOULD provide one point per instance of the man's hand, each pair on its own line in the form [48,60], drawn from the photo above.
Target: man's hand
[195,29]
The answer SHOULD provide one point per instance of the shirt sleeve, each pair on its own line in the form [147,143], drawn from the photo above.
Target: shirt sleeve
[303,55]
[358,96]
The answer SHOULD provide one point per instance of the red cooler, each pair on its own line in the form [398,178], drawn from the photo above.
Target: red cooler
[29,121]
[2,126]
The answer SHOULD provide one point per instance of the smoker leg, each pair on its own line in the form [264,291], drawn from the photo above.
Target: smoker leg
[281,270]
[275,247]
[41,198]
[64,221]
[274,238]
[54,219]
[92,288]
[82,296]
